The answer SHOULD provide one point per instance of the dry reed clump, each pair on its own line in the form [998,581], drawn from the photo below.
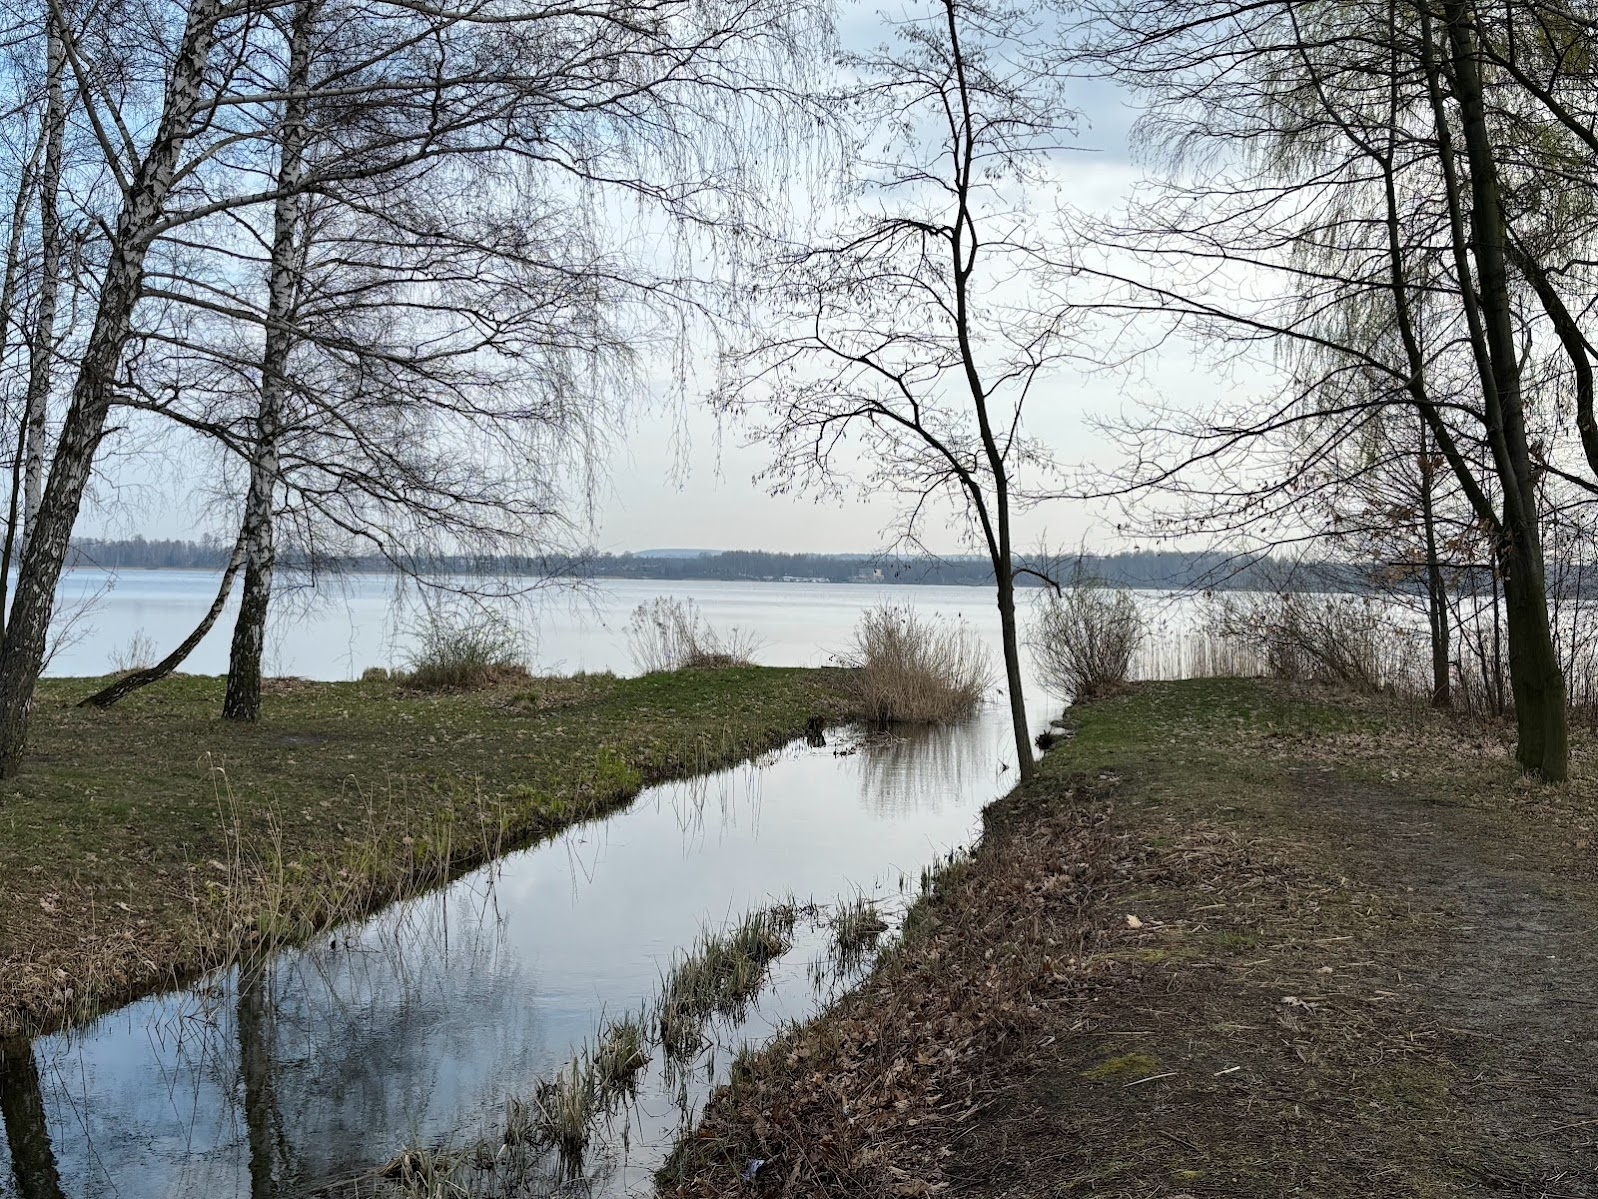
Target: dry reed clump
[912,670]
[464,651]
[670,634]
[1350,640]
[1083,639]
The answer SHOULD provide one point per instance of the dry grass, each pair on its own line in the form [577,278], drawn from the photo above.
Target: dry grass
[670,634]
[913,670]
[831,1102]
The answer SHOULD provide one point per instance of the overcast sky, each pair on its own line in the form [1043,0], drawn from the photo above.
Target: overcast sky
[681,480]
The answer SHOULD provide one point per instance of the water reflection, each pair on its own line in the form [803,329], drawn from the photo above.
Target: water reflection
[311,1069]
[33,1165]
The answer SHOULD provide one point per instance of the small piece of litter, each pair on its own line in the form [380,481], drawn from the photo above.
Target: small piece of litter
[1133,922]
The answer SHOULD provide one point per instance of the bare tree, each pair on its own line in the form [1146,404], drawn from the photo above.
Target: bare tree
[406,418]
[912,336]
[1333,167]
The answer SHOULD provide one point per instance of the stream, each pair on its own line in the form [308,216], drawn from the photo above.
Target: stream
[309,1071]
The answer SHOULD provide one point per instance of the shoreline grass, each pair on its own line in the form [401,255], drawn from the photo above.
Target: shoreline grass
[1277,873]
[144,845]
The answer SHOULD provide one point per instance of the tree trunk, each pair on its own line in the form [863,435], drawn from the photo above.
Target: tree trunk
[1025,765]
[243,698]
[22,656]
[42,357]
[1436,586]
[22,1112]
[1534,675]
[131,682]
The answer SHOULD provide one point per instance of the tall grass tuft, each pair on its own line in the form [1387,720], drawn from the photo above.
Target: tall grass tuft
[623,1051]
[721,975]
[566,1108]
[458,651]
[670,634]
[1083,639]
[912,670]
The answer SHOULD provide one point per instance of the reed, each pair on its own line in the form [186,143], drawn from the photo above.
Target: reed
[913,670]
[670,634]
[1083,640]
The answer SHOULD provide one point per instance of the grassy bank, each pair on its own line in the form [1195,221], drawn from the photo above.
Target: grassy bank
[142,844]
[1233,941]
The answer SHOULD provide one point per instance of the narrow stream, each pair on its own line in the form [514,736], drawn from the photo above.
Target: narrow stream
[311,1071]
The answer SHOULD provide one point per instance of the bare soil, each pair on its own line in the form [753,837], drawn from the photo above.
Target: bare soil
[1233,942]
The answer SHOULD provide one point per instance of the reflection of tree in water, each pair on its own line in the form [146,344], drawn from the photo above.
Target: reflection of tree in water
[927,769]
[363,1029]
[33,1162]
[261,1118]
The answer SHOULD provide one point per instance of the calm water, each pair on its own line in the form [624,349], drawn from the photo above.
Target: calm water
[336,634]
[420,1023]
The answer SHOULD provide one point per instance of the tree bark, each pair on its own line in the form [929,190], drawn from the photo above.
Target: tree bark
[42,356]
[243,698]
[144,201]
[1436,585]
[131,682]
[1534,674]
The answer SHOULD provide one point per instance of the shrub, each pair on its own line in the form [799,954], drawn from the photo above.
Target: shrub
[138,654]
[670,634]
[1346,639]
[910,670]
[458,652]
[1083,638]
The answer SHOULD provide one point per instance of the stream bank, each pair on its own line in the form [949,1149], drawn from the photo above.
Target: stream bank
[1234,940]
[143,845]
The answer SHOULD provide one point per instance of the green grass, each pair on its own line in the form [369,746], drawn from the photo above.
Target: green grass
[142,843]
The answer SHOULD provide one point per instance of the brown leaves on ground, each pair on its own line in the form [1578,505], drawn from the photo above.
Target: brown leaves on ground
[870,1099]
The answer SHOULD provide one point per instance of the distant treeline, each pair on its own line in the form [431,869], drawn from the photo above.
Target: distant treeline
[1153,569]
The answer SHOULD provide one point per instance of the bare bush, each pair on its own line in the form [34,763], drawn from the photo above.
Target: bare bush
[137,654]
[1346,639]
[670,634]
[911,670]
[1083,639]
[458,651]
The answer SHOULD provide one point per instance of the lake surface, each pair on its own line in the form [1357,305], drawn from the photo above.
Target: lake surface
[420,1025]
[363,621]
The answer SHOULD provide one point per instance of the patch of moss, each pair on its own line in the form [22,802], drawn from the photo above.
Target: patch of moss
[1127,1066]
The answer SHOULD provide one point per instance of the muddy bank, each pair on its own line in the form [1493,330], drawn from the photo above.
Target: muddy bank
[1233,941]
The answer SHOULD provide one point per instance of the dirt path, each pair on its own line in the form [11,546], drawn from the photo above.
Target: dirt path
[1262,945]
[1508,982]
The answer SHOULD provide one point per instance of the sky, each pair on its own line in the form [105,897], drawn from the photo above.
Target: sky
[683,479]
